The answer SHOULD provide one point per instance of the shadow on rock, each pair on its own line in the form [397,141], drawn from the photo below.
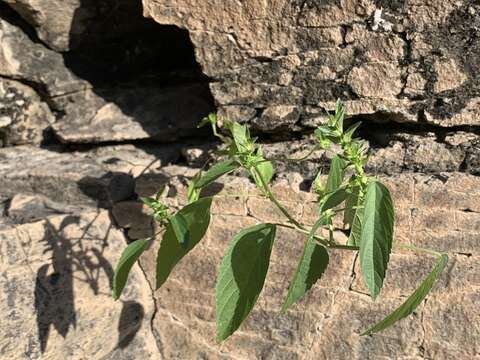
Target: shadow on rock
[141,78]
[54,285]
[130,322]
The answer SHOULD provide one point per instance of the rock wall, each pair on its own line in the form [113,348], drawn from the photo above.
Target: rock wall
[99,105]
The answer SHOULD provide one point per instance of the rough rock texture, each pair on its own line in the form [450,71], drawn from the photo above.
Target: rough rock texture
[114,76]
[339,304]
[415,61]
[90,89]
[56,285]
[23,115]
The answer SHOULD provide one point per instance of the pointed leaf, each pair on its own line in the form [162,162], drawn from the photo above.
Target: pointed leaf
[339,115]
[264,169]
[335,176]
[241,136]
[332,200]
[350,205]
[356,230]
[197,217]
[193,193]
[241,277]
[376,236]
[351,130]
[180,228]
[413,301]
[129,256]
[215,172]
[312,265]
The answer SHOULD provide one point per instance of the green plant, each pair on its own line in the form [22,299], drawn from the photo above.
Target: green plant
[367,210]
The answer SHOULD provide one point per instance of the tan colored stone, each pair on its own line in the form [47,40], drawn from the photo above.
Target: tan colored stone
[25,115]
[376,80]
[376,46]
[452,325]
[448,191]
[56,292]
[468,115]
[415,84]
[449,75]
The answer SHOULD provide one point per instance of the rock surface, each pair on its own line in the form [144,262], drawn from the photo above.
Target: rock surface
[56,292]
[338,303]
[272,53]
[23,115]
[89,91]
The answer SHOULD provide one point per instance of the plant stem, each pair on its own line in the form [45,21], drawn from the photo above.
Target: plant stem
[418,249]
[303,158]
[321,240]
[272,197]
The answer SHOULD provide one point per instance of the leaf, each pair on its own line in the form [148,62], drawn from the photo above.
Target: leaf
[129,256]
[333,199]
[241,136]
[265,168]
[180,228]
[312,265]
[150,202]
[335,176]
[241,277]
[210,119]
[413,301]
[351,130]
[326,132]
[339,115]
[197,217]
[350,205]
[356,230]
[215,172]
[193,194]
[376,236]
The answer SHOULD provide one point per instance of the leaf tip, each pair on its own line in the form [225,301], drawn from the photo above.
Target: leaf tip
[367,333]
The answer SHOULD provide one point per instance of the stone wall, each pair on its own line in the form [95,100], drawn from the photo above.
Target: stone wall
[99,105]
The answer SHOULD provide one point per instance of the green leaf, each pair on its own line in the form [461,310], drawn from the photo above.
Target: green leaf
[312,265]
[356,230]
[376,236]
[333,199]
[335,176]
[241,136]
[150,202]
[339,115]
[350,205]
[197,217]
[215,172]
[210,119]
[180,228]
[193,193]
[351,130]
[413,301]
[129,256]
[325,132]
[265,168]
[241,277]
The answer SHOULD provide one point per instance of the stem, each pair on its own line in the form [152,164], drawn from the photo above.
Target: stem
[272,197]
[418,249]
[321,240]
[303,158]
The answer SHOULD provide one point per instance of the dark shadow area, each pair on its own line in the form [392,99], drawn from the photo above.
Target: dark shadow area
[108,189]
[146,71]
[130,322]
[72,259]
